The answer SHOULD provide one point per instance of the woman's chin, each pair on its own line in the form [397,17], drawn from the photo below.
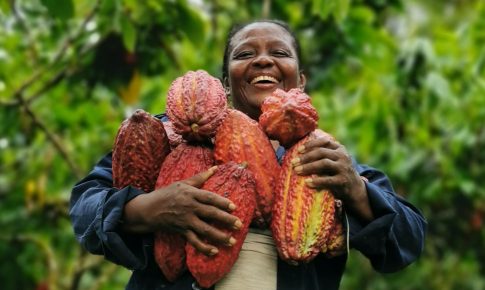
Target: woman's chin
[261,96]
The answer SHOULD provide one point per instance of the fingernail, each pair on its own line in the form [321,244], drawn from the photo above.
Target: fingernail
[299,169]
[309,182]
[213,252]
[213,169]
[295,161]
[301,149]
[231,242]
[237,225]
[232,206]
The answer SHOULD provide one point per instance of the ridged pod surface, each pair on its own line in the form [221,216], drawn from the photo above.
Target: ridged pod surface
[140,147]
[236,183]
[196,105]
[183,162]
[302,217]
[288,116]
[240,139]
[336,243]
[174,139]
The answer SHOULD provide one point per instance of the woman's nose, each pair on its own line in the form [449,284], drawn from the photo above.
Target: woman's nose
[263,60]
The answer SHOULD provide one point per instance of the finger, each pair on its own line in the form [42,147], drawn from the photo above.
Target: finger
[199,179]
[216,215]
[319,167]
[323,182]
[199,245]
[323,141]
[315,154]
[211,233]
[210,198]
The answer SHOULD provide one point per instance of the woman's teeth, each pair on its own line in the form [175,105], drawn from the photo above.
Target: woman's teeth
[264,79]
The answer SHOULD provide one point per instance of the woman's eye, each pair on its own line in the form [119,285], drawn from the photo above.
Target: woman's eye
[242,55]
[281,53]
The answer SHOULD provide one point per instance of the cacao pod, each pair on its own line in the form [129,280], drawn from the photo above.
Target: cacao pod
[240,139]
[302,217]
[336,242]
[288,116]
[196,105]
[140,147]
[236,183]
[173,138]
[183,162]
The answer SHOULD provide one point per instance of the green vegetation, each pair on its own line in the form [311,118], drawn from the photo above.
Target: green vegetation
[401,83]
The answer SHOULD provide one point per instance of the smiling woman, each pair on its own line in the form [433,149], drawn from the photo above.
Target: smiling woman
[259,58]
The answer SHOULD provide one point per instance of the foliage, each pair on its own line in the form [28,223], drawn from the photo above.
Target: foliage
[400,83]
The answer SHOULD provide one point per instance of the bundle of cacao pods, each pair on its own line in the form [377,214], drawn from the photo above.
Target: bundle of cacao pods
[305,221]
[203,131]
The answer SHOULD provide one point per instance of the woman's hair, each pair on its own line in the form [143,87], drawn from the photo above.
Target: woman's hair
[238,27]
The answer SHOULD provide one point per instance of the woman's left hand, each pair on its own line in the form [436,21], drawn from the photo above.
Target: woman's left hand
[328,166]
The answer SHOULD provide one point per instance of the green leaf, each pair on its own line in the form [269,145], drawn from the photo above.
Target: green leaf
[341,9]
[436,83]
[192,24]
[325,8]
[321,8]
[61,9]
[128,33]
[4,7]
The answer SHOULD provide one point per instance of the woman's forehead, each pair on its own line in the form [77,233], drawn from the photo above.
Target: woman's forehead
[261,30]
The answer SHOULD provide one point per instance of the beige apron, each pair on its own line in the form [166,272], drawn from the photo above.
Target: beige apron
[256,266]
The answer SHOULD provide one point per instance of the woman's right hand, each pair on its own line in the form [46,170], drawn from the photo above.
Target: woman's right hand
[184,208]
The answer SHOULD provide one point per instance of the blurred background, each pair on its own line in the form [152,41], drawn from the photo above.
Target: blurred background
[400,83]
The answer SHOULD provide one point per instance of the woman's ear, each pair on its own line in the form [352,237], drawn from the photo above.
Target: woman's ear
[302,81]
[227,88]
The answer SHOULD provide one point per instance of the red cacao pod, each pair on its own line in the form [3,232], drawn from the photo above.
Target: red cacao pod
[236,183]
[196,105]
[288,116]
[183,162]
[139,149]
[302,217]
[240,139]
[174,139]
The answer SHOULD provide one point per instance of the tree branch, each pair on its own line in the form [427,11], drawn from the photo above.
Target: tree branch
[9,103]
[266,11]
[105,275]
[60,53]
[47,252]
[56,78]
[52,137]
[85,262]
[21,21]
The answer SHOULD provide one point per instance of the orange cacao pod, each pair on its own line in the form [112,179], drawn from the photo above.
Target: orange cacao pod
[236,183]
[140,147]
[302,217]
[240,139]
[336,242]
[196,105]
[288,116]
[183,162]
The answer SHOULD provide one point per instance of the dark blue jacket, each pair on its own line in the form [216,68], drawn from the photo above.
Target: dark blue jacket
[392,241]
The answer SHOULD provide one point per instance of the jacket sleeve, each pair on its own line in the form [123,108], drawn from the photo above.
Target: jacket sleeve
[395,238]
[96,210]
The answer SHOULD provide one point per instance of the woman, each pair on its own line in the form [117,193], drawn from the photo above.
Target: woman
[259,57]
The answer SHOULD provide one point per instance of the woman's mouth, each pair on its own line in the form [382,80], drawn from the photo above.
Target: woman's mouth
[264,82]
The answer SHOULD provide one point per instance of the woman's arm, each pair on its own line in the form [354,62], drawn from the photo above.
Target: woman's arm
[96,210]
[383,226]
[395,238]
[119,223]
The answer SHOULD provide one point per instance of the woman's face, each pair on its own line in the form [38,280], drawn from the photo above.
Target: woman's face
[262,58]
